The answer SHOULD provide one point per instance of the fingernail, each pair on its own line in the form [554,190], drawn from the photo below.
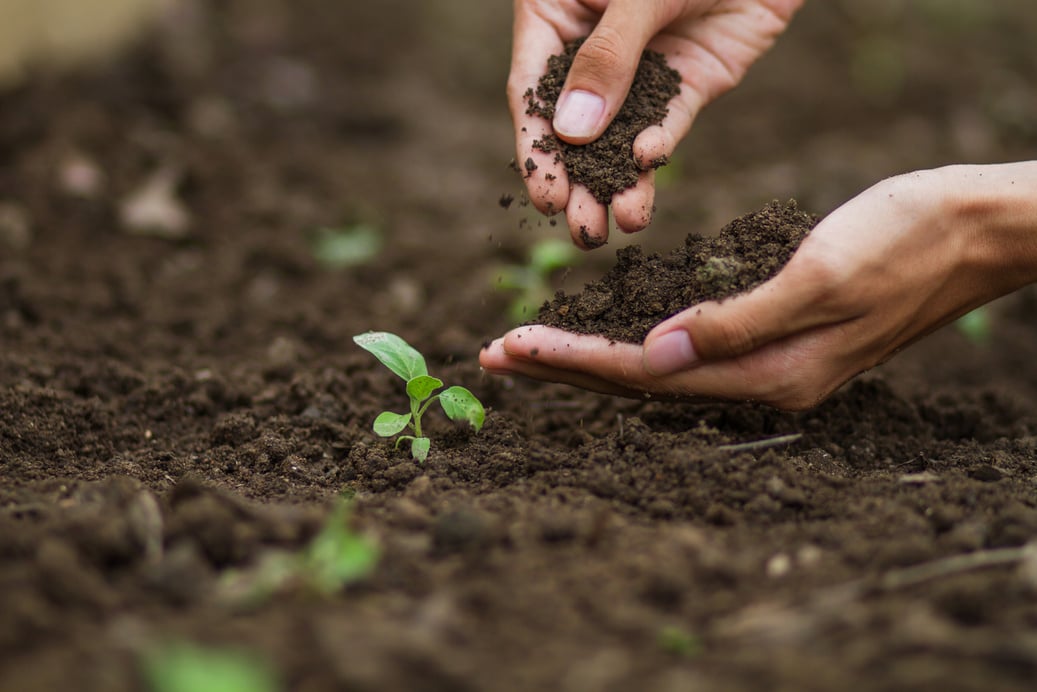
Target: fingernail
[577,113]
[670,353]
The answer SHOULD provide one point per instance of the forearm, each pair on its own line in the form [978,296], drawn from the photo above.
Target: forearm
[995,207]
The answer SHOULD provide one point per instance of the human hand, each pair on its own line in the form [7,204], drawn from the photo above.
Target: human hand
[711,43]
[903,258]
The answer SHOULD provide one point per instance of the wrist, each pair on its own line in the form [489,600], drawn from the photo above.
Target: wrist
[995,206]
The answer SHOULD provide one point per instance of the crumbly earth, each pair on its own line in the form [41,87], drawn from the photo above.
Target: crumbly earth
[642,290]
[175,407]
[607,165]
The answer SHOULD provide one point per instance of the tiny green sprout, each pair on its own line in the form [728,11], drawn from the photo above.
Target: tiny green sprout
[403,359]
[975,325]
[338,556]
[531,282]
[183,667]
[675,640]
[671,173]
[347,246]
[335,558]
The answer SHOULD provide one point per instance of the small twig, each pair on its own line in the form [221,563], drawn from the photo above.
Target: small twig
[761,444]
[826,607]
[950,566]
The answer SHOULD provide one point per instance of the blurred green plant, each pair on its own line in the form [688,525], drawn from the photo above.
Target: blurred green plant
[346,246]
[668,175]
[405,361]
[183,667]
[336,557]
[531,282]
[975,325]
[677,641]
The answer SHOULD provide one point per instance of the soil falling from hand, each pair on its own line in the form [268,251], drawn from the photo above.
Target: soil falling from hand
[642,290]
[607,165]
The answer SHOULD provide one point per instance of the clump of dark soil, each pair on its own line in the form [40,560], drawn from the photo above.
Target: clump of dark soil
[173,412]
[641,290]
[607,166]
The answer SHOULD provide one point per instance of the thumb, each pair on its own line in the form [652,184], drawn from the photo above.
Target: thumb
[716,331]
[604,69]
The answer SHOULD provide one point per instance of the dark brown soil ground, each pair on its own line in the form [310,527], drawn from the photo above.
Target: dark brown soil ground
[176,405]
[607,165]
[641,290]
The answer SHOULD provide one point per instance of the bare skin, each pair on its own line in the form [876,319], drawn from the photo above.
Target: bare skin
[898,261]
[711,43]
[901,259]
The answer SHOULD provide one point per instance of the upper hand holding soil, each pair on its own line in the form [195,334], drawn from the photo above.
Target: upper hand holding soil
[710,44]
[903,258]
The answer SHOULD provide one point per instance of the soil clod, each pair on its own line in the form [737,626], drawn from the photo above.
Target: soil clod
[642,290]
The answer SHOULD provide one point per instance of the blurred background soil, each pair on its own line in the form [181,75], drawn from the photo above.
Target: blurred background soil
[201,201]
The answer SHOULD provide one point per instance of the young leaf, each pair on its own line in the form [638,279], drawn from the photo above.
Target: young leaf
[975,325]
[394,353]
[551,255]
[183,667]
[422,386]
[388,423]
[337,555]
[348,246]
[461,404]
[679,642]
[419,447]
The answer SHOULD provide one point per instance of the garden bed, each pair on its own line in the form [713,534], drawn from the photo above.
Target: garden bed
[180,395]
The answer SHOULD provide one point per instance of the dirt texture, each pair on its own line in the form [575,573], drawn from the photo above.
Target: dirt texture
[180,395]
[607,165]
[641,290]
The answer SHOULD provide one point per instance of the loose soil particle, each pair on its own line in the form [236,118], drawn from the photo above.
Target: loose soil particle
[642,290]
[607,165]
[170,410]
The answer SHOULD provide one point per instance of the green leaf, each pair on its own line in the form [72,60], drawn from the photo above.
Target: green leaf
[253,586]
[191,668]
[461,404]
[419,447]
[975,325]
[388,423]
[338,248]
[335,557]
[394,353]
[338,556]
[679,642]
[671,173]
[514,278]
[422,386]
[550,255]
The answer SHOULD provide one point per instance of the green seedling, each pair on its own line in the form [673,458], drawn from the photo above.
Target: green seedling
[531,282]
[458,403]
[670,174]
[975,325]
[338,556]
[335,558]
[348,246]
[675,640]
[190,668]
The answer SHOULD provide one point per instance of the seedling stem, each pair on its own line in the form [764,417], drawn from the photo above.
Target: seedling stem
[458,403]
